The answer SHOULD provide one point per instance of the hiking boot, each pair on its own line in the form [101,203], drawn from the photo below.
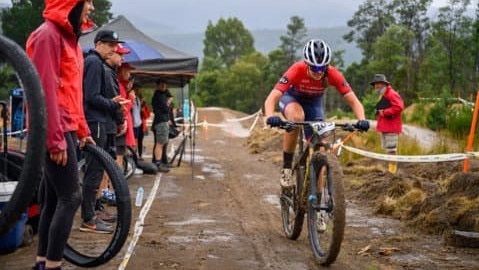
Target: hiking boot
[286,180]
[96,225]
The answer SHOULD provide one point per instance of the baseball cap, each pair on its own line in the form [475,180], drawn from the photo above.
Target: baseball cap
[121,50]
[107,35]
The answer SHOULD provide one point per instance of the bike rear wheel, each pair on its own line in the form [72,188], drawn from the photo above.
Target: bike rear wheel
[87,249]
[326,208]
[22,74]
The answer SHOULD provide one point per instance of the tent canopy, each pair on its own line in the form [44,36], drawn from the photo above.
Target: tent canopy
[175,66]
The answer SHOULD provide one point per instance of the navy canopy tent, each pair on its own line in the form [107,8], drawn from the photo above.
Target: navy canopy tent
[175,66]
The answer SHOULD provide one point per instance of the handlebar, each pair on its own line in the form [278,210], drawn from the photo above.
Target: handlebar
[291,125]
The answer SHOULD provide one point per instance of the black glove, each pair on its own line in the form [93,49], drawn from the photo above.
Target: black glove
[363,125]
[274,121]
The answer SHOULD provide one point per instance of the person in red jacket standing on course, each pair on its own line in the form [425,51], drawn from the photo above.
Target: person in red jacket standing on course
[127,139]
[388,115]
[54,50]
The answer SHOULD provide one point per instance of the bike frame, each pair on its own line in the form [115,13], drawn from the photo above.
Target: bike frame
[316,168]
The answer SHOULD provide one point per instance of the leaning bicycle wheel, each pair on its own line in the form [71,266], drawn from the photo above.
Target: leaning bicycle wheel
[292,208]
[88,249]
[326,211]
[19,73]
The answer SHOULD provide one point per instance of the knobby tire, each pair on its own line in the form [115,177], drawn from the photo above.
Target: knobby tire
[326,245]
[31,173]
[72,252]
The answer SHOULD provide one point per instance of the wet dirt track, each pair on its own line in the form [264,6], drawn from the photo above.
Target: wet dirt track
[222,212]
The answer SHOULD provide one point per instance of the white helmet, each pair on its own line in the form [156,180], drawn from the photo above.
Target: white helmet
[316,52]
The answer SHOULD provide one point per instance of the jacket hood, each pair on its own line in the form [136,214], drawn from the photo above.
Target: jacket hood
[58,10]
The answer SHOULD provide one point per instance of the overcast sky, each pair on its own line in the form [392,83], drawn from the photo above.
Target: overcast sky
[193,15]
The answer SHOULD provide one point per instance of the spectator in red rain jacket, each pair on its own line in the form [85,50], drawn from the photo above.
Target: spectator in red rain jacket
[128,138]
[388,115]
[54,50]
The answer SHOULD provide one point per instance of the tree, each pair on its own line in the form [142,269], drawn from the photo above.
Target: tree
[412,15]
[24,16]
[452,32]
[294,40]
[228,40]
[276,66]
[243,84]
[390,57]
[102,14]
[21,19]
[369,22]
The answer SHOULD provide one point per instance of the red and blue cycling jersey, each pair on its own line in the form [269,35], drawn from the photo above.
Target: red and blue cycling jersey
[298,87]
[297,83]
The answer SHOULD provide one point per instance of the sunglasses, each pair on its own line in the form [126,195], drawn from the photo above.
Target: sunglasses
[317,69]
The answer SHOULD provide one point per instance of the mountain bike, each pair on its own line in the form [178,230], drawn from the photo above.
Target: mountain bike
[318,189]
[18,72]
[86,249]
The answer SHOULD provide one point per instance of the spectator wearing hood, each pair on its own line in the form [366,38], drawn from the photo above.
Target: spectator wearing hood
[54,50]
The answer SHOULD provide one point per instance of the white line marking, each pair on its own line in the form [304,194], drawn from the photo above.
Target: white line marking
[140,222]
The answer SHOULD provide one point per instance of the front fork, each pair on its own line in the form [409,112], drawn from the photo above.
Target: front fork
[316,185]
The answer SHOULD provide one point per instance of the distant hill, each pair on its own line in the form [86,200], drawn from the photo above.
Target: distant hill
[265,41]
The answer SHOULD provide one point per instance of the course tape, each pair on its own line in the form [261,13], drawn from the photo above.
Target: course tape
[139,223]
[221,125]
[415,158]
[386,157]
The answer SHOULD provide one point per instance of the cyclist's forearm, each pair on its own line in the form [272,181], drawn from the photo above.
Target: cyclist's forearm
[271,101]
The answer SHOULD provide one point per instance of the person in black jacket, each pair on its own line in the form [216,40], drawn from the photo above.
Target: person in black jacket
[171,125]
[102,104]
[159,104]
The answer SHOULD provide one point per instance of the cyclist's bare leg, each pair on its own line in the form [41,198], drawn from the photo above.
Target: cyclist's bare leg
[292,112]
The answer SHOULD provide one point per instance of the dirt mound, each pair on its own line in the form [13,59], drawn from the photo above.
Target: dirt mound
[431,197]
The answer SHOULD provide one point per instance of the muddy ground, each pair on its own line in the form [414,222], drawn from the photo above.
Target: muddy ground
[222,211]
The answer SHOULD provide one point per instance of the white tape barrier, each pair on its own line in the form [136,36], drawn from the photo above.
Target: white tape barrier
[207,124]
[244,118]
[415,158]
[396,158]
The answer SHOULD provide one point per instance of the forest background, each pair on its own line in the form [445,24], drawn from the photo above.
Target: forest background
[425,58]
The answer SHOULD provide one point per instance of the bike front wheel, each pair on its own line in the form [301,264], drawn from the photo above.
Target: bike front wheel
[326,209]
[85,249]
